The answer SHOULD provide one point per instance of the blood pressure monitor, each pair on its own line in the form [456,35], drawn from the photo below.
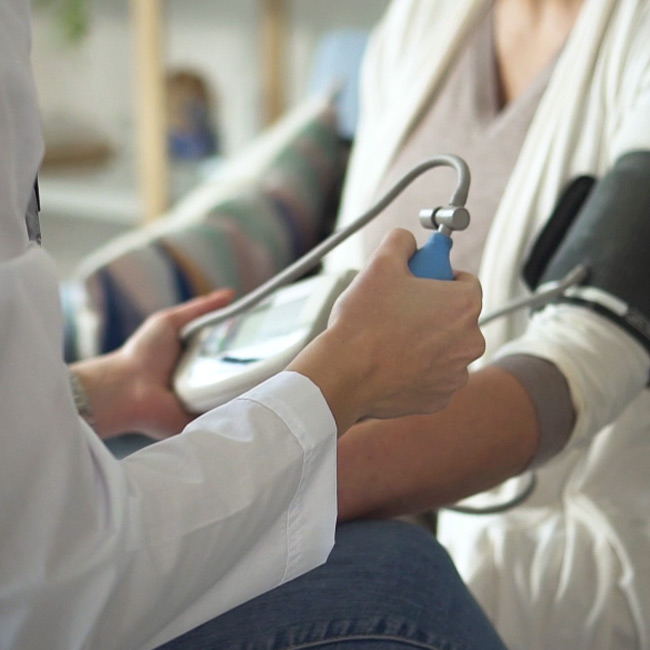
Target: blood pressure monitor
[225,360]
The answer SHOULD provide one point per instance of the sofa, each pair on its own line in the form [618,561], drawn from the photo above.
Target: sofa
[259,211]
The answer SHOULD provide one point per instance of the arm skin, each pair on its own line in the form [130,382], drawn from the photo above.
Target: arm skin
[487,434]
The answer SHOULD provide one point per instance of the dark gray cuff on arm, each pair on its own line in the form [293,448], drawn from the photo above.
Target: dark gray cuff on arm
[549,392]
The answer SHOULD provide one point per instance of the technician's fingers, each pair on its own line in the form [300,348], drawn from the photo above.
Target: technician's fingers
[471,309]
[474,292]
[398,242]
[181,315]
[463,276]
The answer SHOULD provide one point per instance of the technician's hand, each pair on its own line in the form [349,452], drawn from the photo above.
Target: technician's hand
[131,389]
[396,344]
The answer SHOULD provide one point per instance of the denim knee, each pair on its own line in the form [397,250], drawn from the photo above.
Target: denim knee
[386,585]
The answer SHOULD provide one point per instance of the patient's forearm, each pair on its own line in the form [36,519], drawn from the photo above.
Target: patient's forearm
[487,434]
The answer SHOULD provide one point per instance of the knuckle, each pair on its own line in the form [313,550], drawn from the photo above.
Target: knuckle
[482,346]
[443,402]
[162,319]
[155,318]
[382,260]
[439,403]
[401,233]
[469,302]
[476,298]
[460,379]
[478,345]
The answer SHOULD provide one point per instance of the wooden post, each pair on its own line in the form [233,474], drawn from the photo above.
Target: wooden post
[151,138]
[274,38]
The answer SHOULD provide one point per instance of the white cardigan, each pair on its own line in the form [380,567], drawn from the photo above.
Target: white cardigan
[549,573]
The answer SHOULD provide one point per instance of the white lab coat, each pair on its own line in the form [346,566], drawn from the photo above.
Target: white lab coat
[100,554]
[563,571]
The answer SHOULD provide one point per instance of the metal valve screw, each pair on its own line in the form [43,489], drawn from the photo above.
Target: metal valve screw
[445,220]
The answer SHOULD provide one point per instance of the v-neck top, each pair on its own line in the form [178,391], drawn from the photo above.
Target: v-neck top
[465,118]
[468,118]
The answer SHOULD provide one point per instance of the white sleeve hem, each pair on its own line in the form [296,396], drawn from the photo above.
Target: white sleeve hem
[603,365]
[309,539]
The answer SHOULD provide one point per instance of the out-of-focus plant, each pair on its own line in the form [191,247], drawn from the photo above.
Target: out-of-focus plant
[73,16]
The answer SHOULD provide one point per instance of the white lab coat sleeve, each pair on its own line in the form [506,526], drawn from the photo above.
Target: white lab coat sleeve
[102,554]
[605,367]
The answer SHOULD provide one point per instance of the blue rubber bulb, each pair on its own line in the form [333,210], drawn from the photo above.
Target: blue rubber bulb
[432,260]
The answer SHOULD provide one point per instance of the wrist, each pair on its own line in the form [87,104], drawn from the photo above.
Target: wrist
[81,399]
[103,394]
[335,366]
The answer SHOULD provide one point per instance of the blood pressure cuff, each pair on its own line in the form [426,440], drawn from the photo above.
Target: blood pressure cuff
[604,224]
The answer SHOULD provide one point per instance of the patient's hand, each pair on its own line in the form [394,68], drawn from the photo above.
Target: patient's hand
[397,344]
[130,390]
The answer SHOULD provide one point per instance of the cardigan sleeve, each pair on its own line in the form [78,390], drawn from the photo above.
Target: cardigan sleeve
[605,368]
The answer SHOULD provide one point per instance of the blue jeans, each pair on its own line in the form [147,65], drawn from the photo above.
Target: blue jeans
[387,585]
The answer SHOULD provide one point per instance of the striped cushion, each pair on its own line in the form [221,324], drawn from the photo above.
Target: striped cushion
[265,208]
